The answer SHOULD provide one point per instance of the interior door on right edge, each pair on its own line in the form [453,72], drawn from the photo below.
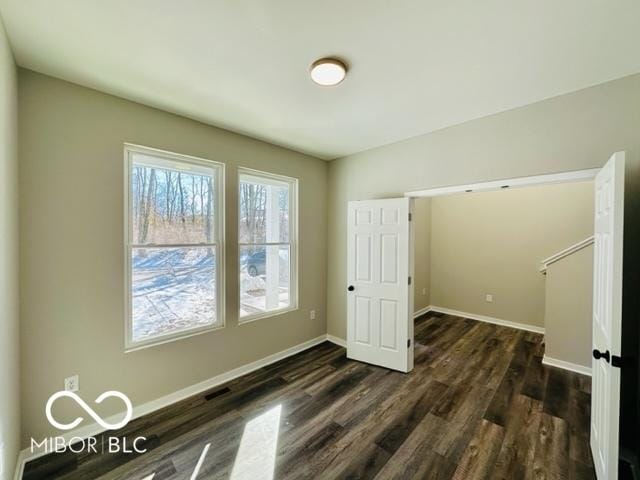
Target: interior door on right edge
[607,317]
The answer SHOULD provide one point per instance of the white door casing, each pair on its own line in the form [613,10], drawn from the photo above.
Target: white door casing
[380,296]
[607,316]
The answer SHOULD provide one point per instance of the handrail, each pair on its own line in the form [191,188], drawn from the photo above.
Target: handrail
[564,253]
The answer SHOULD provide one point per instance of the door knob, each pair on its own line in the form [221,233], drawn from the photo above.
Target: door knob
[597,354]
[351,288]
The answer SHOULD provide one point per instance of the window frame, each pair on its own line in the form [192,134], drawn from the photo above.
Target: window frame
[218,241]
[293,243]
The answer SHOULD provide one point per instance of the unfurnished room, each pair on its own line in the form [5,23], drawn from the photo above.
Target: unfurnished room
[246,240]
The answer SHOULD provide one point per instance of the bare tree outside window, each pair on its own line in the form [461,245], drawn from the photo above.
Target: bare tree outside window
[161,200]
[173,254]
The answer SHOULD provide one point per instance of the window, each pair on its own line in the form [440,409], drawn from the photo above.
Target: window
[174,248]
[268,238]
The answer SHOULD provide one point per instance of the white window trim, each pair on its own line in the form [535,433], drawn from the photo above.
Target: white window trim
[293,243]
[129,344]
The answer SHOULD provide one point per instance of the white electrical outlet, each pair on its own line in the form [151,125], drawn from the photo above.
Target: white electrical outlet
[489,297]
[424,291]
[72,384]
[312,315]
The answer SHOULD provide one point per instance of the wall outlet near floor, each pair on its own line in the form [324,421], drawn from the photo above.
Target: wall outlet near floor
[424,291]
[72,384]
[312,314]
[489,297]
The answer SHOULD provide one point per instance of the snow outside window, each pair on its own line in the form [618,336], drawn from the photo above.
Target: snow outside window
[173,246]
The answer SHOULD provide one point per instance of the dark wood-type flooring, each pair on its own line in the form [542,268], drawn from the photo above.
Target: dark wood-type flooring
[479,404]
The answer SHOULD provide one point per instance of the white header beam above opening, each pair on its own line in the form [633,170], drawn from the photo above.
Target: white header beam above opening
[564,177]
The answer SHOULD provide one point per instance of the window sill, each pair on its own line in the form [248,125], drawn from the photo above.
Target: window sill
[134,347]
[262,316]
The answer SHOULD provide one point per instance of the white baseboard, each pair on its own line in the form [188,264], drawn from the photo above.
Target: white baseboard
[149,407]
[484,318]
[337,340]
[573,367]
[422,311]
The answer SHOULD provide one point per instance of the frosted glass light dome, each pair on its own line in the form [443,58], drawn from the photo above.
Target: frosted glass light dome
[328,71]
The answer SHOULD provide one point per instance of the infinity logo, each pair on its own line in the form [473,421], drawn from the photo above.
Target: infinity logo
[89,410]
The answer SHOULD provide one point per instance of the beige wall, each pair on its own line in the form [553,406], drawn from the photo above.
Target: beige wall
[422,252]
[9,331]
[493,242]
[72,274]
[570,132]
[569,298]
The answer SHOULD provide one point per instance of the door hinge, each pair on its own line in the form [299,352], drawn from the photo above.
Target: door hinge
[409,280]
[409,217]
[408,342]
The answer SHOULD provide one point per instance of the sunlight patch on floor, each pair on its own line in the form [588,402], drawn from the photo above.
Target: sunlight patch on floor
[256,458]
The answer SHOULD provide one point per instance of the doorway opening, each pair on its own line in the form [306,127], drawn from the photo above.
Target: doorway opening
[516,256]
[382,280]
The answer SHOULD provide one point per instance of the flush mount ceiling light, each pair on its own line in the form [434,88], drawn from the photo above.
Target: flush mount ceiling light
[328,71]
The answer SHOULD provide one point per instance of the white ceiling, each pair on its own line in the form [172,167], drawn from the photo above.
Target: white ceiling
[415,65]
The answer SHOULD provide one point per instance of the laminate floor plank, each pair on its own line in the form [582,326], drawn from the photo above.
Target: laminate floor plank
[392,437]
[300,427]
[500,408]
[366,464]
[535,381]
[453,442]
[551,457]
[579,415]
[479,404]
[478,460]
[294,461]
[556,399]
[481,365]
[519,443]
[579,471]
[415,458]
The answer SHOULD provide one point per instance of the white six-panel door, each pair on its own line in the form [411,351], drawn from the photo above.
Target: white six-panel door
[607,316]
[379,295]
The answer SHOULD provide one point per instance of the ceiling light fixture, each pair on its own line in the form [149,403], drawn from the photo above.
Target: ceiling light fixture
[328,71]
